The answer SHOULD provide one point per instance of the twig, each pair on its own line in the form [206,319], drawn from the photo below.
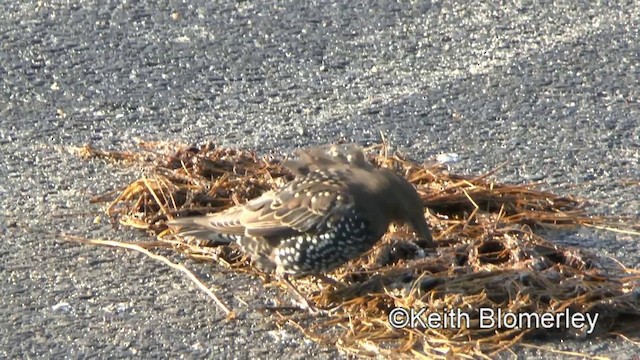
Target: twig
[180,267]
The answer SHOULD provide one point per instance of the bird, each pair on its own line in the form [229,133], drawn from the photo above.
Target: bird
[335,209]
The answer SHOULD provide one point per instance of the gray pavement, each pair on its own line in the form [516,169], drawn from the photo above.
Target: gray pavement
[552,88]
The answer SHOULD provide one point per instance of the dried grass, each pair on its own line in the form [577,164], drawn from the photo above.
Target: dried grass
[489,253]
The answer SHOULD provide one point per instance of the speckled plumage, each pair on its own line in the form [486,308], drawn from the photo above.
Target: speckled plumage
[337,207]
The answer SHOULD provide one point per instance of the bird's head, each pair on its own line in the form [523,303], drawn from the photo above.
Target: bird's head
[402,203]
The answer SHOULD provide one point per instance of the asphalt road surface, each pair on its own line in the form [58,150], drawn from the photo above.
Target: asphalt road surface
[552,88]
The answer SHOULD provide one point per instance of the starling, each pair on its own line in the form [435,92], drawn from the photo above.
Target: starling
[335,209]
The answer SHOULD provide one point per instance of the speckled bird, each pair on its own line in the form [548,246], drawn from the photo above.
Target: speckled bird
[336,208]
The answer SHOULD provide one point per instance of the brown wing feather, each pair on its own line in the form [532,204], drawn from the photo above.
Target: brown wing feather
[301,206]
[281,213]
[289,214]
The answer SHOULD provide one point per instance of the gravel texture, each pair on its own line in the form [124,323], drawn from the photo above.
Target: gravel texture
[551,88]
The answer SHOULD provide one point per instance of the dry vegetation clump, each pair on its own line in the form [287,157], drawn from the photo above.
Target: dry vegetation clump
[490,253]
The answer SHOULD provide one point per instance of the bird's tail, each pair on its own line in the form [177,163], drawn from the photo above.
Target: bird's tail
[200,227]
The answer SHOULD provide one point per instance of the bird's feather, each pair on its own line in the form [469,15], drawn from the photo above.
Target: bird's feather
[301,206]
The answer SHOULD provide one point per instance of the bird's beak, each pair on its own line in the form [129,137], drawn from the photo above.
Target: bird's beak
[422,229]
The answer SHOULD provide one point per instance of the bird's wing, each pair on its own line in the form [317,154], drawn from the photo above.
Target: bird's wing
[305,210]
[300,206]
